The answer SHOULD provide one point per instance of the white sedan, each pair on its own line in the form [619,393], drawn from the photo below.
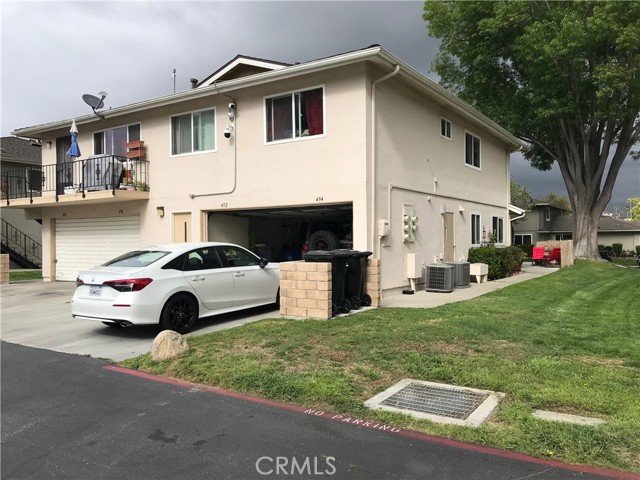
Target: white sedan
[174,285]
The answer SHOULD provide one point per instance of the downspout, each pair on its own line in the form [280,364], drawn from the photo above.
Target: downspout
[234,134]
[374,245]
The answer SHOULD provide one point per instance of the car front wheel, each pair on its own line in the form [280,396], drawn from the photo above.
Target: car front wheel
[179,313]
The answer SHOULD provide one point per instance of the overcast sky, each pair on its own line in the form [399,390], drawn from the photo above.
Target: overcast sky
[53,52]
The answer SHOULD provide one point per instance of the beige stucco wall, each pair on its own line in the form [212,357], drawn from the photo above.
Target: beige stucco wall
[416,166]
[628,240]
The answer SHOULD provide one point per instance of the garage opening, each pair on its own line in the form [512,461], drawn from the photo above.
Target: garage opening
[283,234]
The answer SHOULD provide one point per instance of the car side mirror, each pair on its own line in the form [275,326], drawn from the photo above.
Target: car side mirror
[263,262]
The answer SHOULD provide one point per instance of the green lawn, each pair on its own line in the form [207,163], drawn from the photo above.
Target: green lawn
[21,275]
[568,342]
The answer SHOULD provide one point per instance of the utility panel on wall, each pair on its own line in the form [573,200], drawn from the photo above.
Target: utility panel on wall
[409,222]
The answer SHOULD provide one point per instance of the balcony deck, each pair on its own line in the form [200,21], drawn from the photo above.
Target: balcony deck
[97,179]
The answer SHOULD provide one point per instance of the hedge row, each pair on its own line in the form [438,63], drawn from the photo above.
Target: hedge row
[502,262]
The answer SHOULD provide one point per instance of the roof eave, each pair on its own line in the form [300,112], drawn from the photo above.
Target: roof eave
[374,53]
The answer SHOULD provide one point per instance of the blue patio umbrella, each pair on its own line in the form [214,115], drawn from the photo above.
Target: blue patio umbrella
[74,149]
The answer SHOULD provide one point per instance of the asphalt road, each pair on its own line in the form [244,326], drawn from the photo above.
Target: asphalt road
[75,417]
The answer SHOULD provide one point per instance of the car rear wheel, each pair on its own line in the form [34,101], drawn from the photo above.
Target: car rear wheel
[179,313]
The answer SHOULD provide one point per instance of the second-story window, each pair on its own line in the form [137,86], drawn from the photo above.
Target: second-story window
[445,128]
[114,141]
[193,132]
[472,150]
[295,115]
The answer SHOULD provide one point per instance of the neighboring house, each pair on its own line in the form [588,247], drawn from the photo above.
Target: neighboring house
[260,150]
[21,237]
[548,222]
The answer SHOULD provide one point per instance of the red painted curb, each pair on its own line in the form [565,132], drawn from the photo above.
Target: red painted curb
[604,472]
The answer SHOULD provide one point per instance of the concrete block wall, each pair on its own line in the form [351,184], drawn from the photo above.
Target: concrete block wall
[4,269]
[305,288]
[374,284]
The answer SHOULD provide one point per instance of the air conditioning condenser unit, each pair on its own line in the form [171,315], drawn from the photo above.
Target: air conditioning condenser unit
[439,278]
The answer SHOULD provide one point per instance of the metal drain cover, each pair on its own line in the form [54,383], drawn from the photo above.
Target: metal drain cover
[437,402]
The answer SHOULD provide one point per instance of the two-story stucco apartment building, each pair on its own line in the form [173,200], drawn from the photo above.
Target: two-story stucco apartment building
[263,153]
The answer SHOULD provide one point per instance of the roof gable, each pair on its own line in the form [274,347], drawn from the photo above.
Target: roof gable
[241,66]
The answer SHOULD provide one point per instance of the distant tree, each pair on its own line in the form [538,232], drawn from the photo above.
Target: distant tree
[558,200]
[520,196]
[634,208]
[562,76]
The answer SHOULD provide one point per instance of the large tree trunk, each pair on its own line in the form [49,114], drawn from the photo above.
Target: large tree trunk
[585,233]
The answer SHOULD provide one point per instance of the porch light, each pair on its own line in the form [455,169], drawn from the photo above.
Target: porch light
[160,211]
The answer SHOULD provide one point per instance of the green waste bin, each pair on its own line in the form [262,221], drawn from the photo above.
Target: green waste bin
[338,260]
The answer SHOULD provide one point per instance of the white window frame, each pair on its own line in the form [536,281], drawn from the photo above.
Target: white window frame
[199,152]
[500,230]
[477,227]
[447,126]
[471,165]
[292,93]
[547,214]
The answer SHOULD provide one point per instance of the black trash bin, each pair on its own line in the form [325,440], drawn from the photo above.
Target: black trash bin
[338,260]
[365,297]
[353,283]
[357,280]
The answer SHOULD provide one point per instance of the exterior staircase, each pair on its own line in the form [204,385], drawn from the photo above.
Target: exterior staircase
[21,248]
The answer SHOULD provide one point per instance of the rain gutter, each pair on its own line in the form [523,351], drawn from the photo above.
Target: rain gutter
[374,245]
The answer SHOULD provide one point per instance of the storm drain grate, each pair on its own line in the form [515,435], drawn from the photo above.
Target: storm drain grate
[437,402]
[444,401]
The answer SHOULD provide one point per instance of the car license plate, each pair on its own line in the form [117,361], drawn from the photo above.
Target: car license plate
[95,291]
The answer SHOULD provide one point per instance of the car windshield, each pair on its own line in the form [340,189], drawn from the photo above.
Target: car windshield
[137,258]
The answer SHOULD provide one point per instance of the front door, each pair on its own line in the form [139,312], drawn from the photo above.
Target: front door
[448,237]
[181,227]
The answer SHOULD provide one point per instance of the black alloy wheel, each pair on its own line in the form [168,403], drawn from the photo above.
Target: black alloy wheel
[179,313]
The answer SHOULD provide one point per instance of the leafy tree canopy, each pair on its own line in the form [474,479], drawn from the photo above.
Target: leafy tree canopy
[634,206]
[520,196]
[557,200]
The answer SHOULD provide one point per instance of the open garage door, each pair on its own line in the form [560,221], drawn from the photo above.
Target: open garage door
[82,243]
[282,234]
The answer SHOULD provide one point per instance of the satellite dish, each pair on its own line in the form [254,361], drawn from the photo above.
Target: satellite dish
[94,102]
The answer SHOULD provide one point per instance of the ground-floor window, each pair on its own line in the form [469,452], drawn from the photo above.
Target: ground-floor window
[523,239]
[564,236]
[497,226]
[475,229]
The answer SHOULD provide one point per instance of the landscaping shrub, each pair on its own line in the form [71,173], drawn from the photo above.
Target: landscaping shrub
[517,256]
[527,249]
[501,261]
[617,249]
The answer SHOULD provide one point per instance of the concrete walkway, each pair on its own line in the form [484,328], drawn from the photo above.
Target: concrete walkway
[424,299]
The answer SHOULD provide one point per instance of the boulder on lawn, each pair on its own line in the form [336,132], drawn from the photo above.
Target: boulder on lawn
[168,344]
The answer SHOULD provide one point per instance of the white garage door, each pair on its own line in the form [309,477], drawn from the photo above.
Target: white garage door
[82,243]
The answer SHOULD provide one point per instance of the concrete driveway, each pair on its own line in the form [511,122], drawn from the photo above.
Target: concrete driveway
[38,314]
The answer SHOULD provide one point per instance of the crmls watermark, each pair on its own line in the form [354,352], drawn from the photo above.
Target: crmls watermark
[322,465]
